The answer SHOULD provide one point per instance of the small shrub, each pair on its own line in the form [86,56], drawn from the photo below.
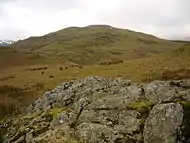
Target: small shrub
[185,104]
[51,76]
[55,111]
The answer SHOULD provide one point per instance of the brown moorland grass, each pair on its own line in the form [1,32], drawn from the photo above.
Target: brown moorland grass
[21,87]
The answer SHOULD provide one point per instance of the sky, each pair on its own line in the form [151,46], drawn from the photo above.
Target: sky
[20,19]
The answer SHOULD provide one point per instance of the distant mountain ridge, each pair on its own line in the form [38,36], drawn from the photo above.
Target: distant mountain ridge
[6,42]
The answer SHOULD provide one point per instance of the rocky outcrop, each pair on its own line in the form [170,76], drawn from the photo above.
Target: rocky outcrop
[100,110]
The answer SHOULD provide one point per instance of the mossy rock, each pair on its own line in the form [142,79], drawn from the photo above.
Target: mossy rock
[55,112]
[142,107]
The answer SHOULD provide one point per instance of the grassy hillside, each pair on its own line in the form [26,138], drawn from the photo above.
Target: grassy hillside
[19,87]
[94,44]
[12,57]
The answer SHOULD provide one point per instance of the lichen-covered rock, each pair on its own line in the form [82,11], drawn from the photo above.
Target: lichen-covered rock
[21,127]
[108,120]
[63,118]
[67,94]
[185,95]
[183,83]
[29,138]
[62,134]
[95,133]
[98,133]
[106,110]
[163,124]
[159,91]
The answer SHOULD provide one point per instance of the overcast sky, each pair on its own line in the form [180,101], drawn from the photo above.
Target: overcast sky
[24,18]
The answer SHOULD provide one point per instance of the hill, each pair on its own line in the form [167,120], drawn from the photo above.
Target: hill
[98,43]
[33,66]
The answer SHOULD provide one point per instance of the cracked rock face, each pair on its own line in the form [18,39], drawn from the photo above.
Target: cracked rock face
[164,124]
[100,110]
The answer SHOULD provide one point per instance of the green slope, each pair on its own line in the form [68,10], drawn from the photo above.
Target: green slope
[94,44]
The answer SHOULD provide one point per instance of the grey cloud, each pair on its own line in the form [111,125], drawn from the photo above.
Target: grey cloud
[12,33]
[48,4]
[3,1]
[164,18]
